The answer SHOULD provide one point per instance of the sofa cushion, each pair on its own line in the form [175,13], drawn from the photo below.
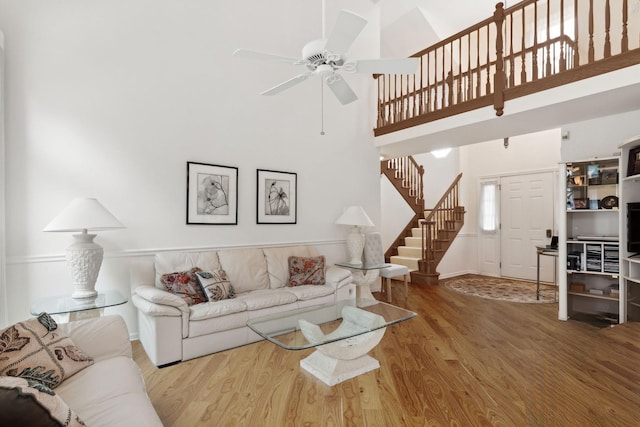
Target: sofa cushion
[217,309]
[202,327]
[35,350]
[110,393]
[306,270]
[245,268]
[278,262]
[185,285]
[30,403]
[181,261]
[309,292]
[264,298]
[216,284]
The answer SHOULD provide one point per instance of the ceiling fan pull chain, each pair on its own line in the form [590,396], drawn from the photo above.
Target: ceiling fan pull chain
[321,108]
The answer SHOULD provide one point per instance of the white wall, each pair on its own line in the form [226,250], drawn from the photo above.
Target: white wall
[111,99]
[599,137]
[526,153]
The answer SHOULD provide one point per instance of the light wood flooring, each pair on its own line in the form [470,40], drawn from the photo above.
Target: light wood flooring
[464,361]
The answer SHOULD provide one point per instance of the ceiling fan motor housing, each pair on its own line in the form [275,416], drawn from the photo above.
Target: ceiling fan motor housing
[316,55]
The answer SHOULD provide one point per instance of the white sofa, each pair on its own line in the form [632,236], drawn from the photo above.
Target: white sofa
[172,331]
[110,392]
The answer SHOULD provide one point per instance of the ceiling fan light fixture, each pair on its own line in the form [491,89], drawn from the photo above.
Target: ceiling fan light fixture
[324,70]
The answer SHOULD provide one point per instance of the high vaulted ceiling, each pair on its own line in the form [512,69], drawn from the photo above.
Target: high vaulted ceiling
[408,26]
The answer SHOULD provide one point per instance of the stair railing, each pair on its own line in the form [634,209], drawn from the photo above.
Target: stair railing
[446,211]
[409,175]
[527,48]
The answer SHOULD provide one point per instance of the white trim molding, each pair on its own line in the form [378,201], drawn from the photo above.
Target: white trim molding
[3,269]
[138,253]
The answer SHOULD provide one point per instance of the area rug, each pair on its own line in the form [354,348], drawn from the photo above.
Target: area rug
[500,289]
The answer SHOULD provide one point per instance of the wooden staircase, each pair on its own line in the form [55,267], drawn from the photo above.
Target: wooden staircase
[421,245]
[406,176]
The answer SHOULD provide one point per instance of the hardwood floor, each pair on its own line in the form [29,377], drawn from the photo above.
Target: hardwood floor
[464,361]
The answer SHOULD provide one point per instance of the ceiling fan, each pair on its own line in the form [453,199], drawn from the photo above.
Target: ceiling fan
[326,57]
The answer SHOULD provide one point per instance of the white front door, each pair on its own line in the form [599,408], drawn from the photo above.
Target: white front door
[526,220]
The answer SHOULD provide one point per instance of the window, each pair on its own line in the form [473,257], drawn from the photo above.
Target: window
[488,206]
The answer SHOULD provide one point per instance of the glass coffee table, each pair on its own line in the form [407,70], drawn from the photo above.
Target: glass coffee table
[342,334]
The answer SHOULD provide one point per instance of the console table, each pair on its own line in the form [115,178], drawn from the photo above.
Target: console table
[545,251]
[363,277]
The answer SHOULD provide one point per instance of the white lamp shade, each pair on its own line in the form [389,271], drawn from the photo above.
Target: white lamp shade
[355,215]
[84,214]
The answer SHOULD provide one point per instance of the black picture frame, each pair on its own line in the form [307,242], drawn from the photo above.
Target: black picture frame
[277,197]
[633,167]
[581,203]
[212,194]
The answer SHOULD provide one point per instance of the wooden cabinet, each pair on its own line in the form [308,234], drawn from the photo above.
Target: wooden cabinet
[589,240]
[630,229]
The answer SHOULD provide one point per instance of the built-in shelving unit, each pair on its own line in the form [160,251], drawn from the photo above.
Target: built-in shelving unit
[630,260]
[589,240]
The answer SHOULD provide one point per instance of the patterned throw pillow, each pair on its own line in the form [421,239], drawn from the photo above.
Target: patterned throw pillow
[185,285]
[24,402]
[306,270]
[216,285]
[39,353]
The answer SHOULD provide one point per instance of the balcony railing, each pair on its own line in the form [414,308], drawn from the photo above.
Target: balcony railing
[529,47]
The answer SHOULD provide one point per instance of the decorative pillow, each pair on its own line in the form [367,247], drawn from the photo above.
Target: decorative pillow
[185,285]
[34,350]
[306,270]
[24,402]
[216,284]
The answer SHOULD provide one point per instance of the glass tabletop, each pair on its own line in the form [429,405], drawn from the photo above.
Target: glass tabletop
[313,326]
[65,304]
[363,266]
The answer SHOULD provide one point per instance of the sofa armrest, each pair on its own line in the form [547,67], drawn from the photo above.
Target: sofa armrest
[154,301]
[101,337]
[337,276]
[154,310]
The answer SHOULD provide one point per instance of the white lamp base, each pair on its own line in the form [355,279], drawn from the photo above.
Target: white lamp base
[84,258]
[355,245]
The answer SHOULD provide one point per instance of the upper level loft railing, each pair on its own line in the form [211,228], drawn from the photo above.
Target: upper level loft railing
[532,46]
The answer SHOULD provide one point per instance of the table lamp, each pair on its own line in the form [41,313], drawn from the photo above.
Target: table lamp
[356,217]
[84,256]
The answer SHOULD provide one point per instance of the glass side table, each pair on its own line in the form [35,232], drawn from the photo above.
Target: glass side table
[363,276]
[76,308]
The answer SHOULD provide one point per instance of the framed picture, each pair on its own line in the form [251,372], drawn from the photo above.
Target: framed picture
[593,173]
[581,203]
[212,194]
[277,197]
[634,162]
[609,176]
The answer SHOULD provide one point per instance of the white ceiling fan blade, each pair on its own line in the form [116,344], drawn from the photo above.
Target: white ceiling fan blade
[341,89]
[387,66]
[287,84]
[252,54]
[348,26]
